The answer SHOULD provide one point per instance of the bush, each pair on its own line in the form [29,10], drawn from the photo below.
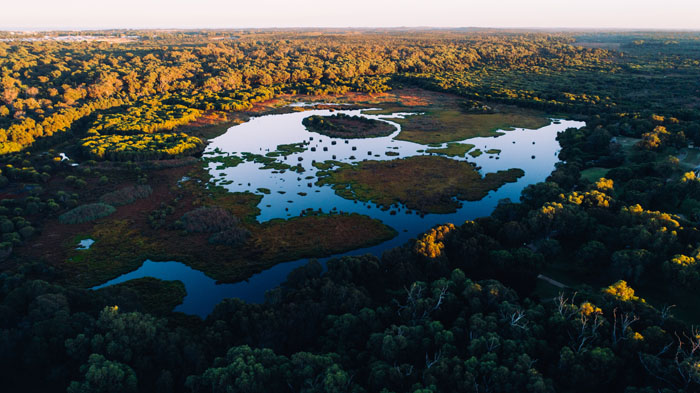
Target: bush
[225,226]
[208,219]
[126,195]
[147,116]
[6,226]
[140,147]
[5,250]
[232,236]
[12,237]
[85,213]
[26,232]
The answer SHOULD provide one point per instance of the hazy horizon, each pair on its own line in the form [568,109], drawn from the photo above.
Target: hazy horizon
[42,15]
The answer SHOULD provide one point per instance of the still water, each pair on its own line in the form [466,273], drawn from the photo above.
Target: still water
[290,193]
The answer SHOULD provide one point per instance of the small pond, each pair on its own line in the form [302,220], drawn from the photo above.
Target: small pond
[290,193]
[85,244]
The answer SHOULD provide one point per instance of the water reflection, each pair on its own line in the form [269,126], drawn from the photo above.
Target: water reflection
[533,151]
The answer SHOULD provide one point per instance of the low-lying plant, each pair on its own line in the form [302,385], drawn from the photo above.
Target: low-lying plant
[86,213]
[225,226]
[126,195]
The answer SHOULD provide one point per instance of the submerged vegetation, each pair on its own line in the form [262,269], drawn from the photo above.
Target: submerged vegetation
[612,234]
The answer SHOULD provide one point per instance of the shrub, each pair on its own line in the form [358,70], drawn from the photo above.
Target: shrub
[140,147]
[5,250]
[232,236]
[126,195]
[6,226]
[147,116]
[12,237]
[85,213]
[26,232]
[208,219]
[225,227]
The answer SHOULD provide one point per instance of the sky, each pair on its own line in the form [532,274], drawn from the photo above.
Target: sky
[100,14]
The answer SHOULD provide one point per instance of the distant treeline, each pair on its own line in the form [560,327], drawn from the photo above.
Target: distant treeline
[46,86]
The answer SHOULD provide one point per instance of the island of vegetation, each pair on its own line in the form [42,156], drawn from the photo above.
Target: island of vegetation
[156,296]
[345,126]
[428,184]
[452,149]
[448,125]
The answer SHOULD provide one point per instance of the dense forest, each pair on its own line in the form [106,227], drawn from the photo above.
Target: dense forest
[457,310]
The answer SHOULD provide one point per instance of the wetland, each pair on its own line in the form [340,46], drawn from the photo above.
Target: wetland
[303,194]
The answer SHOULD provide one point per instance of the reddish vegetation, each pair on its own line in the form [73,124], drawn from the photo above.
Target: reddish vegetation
[425,183]
[125,239]
[295,238]
[323,234]
[55,242]
[208,219]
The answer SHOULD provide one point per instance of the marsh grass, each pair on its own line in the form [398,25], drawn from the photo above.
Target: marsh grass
[452,149]
[86,213]
[428,184]
[126,195]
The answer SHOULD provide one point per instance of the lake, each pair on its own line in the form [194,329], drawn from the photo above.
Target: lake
[290,193]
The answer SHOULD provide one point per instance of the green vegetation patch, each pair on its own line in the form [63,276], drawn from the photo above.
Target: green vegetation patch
[452,149]
[344,126]
[86,213]
[627,143]
[593,174]
[270,162]
[328,164]
[140,147]
[476,153]
[454,125]
[148,294]
[425,183]
[243,205]
[118,249]
[224,160]
[288,149]
[148,116]
[493,151]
